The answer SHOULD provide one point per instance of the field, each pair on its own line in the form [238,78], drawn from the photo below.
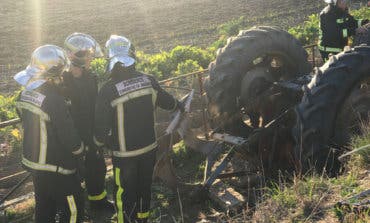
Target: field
[153,25]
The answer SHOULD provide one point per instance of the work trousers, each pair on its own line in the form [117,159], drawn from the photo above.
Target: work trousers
[57,193]
[132,191]
[95,171]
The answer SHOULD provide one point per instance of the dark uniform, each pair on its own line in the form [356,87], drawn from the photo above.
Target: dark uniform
[125,123]
[82,92]
[336,25]
[51,149]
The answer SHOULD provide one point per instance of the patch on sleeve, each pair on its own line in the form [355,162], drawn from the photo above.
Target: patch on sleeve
[33,97]
[132,84]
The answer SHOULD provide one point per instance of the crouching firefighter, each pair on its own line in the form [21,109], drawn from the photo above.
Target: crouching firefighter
[51,146]
[124,122]
[80,87]
[336,25]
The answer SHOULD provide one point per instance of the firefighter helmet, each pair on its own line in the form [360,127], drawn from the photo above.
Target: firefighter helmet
[81,47]
[47,62]
[119,49]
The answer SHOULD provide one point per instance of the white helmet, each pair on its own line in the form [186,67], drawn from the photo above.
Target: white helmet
[47,62]
[331,1]
[80,46]
[119,50]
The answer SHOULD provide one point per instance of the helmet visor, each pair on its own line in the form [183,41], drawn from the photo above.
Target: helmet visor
[124,60]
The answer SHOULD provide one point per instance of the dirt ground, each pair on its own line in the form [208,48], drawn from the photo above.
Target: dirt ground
[153,25]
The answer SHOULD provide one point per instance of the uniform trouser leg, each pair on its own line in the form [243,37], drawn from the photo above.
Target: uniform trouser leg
[70,199]
[45,208]
[55,192]
[146,167]
[125,190]
[95,171]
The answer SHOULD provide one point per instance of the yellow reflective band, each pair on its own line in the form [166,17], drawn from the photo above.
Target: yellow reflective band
[79,150]
[329,49]
[339,21]
[119,202]
[43,142]
[46,167]
[345,33]
[143,215]
[154,100]
[132,95]
[33,109]
[99,144]
[97,197]
[72,209]
[121,127]
[359,23]
[135,152]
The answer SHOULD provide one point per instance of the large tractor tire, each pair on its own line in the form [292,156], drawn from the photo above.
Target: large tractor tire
[248,65]
[335,104]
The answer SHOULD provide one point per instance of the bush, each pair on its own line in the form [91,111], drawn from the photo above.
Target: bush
[177,61]
[308,33]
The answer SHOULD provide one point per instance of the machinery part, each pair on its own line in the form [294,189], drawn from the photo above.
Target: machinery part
[256,58]
[333,106]
[363,38]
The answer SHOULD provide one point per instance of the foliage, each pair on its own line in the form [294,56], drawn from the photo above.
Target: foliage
[99,66]
[362,13]
[187,66]
[177,61]
[232,27]
[7,107]
[308,33]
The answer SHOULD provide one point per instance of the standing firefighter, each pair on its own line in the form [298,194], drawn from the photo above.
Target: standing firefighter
[336,25]
[125,123]
[51,145]
[80,87]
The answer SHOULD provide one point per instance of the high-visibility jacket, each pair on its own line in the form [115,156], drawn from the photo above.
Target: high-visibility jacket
[50,142]
[124,116]
[336,26]
[82,92]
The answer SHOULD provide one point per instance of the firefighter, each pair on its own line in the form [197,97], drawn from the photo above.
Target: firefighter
[336,25]
[80,87]
[124,122]
[51,146]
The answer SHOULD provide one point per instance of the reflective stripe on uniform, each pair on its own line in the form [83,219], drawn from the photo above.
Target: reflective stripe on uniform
[43,142]
[330,49]
[72,209]
[359,23]
[99,144]
[121,127]
[339,21]
[135,152]
[119,202]
[33,109]
[154,100]
[143,215]
[345,33]
[46,167]
[79,150]
[97,197]
[132,95]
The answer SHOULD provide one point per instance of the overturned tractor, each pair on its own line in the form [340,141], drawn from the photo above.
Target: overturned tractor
[268,113]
